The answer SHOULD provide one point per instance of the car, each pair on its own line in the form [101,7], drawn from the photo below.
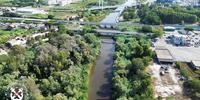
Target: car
[162,73]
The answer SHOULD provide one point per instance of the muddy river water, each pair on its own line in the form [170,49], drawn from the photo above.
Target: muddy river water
[101,75]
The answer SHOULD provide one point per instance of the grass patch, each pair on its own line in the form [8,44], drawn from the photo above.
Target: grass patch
[185,70]
[62,15]
[80,5]
[37,16]
[5,35]
[95,16]
[5,3]
[127,27]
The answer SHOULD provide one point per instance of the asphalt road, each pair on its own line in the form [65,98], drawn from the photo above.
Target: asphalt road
[178,26]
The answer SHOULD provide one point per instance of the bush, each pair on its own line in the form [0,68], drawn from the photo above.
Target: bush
[147,29]
[178,65]
[10,14]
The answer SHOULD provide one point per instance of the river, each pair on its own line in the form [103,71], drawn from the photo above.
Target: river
[101,75]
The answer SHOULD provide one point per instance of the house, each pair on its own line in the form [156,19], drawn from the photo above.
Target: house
[17,41]
[196,64]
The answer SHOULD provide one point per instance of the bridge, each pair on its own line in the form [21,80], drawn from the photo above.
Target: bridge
[106,32]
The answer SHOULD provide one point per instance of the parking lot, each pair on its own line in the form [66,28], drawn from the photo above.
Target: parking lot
[179,53]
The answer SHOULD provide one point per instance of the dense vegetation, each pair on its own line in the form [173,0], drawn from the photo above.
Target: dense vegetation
[8,33]
[130,81]
[57,69]
[28,2]
[193,87]
[129,13]
[155,31]
[192,82]
[168,15]
[93,16]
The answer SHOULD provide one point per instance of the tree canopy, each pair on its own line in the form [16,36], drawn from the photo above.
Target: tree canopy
[53,70]
[130,81]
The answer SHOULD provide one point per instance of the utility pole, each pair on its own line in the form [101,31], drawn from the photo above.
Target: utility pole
[101,4]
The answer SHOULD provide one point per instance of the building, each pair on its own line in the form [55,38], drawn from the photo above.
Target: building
[60,2]
[17,41]
[39,34]
[164,55]
[30,10]
[169,28]
[196,64]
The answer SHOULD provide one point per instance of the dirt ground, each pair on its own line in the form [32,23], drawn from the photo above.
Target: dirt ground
[167,85]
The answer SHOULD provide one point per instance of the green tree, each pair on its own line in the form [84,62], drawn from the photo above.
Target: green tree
[152,18]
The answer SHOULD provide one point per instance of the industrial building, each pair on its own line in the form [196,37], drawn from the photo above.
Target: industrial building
[164,55]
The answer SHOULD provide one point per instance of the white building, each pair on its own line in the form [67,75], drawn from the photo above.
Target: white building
[60,2]
[30,10]
[169,28]
[17,41]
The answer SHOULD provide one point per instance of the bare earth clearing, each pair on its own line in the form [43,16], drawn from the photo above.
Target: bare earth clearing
[167,85]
